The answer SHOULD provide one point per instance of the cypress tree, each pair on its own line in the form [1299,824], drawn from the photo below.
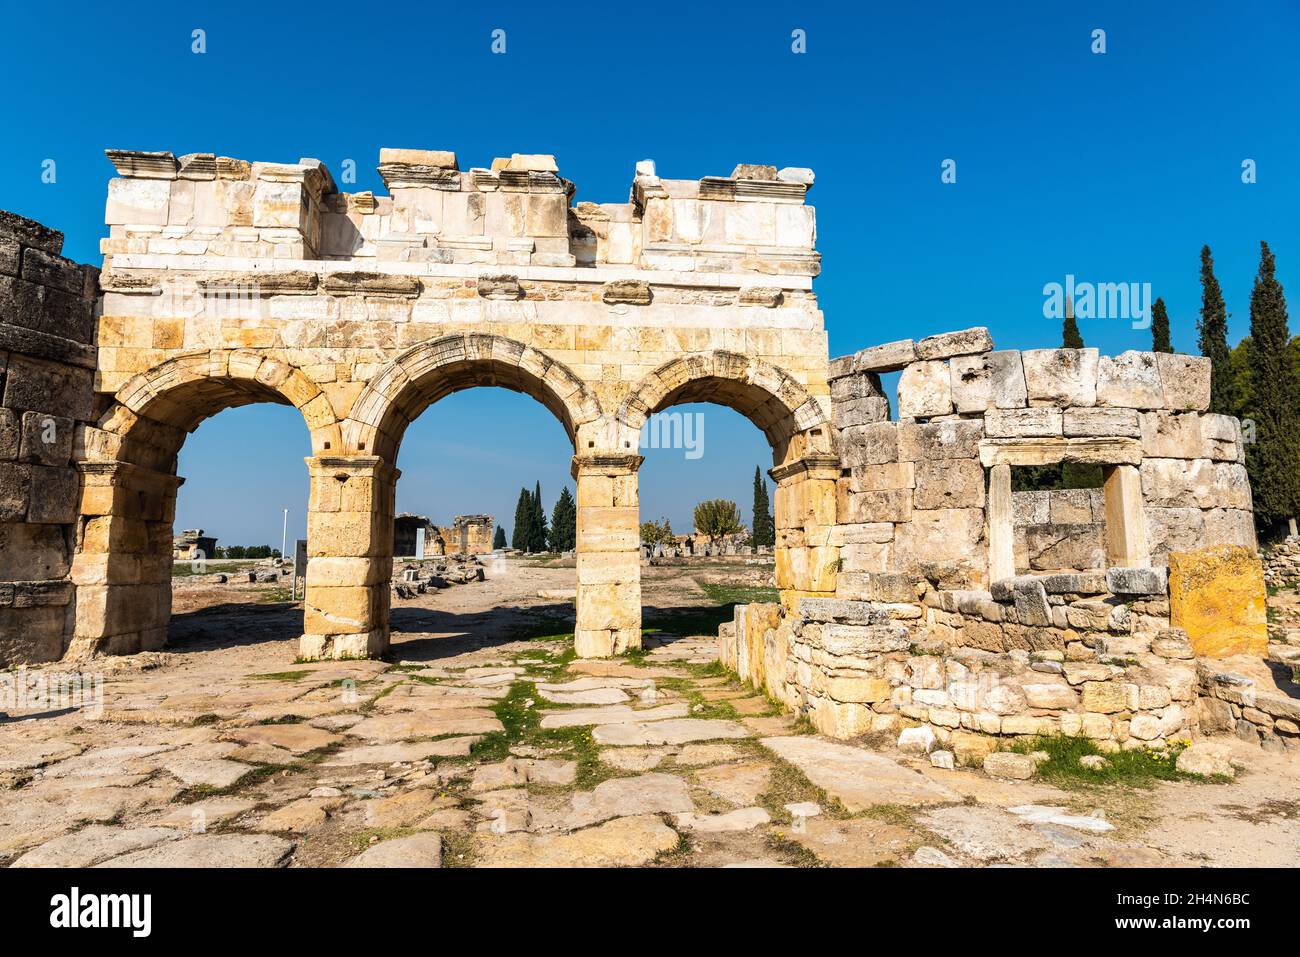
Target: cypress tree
[1213,327]
[522,537]
[1274,458]
[1160,341]
[564,522]
[499,539]
[763,533]
[538,520]
[1071,338]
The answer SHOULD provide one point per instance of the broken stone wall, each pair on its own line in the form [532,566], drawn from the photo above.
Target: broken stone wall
[928,494]
[47,362]
[855,667]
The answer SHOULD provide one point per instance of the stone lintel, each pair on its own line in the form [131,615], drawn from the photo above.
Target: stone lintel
[128,475]
[412,176]
[611,463]
[371,284]
[143,165]
[816,466]
[292,283]
[1049,451]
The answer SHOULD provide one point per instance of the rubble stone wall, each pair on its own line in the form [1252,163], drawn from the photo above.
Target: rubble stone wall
[47,324]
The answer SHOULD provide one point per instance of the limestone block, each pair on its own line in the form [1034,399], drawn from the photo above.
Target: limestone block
[937,536]
[857,641]
[888,505]
[10,437]
[949,483]
[919,442]
[1217,596]
[877,586]
[949,344]
[890,475]
[46,439]
[137,202]
[51,387]
[1031,508]
[1185,381]
[1007,379]
[864,690]
[1104,697]
[866,445]
[1230,526]
[1034,422]
[1222,437]
[925,390]
[1061,377]
[889,357]
[1174,530]
[1136,581]
[1101,423]
[1129,380]
[972,382]
[1030,598]
[1172,435]
[1199,483]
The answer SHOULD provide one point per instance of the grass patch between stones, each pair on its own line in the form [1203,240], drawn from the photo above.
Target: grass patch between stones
[1141,767]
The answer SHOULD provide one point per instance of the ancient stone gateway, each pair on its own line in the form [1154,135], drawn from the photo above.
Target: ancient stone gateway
[227,282]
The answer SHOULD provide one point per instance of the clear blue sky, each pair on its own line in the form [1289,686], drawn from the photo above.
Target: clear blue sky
[1113,167]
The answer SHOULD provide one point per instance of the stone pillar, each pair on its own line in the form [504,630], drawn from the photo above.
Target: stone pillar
[1126,524]
[1001,524]
[122,570]
[349,557]
[804,514]
[609,555]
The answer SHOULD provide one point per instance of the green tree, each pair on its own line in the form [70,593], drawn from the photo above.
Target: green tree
[658,533]
[235,551]
[763,531]
[499,539]
[1213,328]
[537,523]
[564,522]
[1274,458]
[716,518]
[522,536]
[1160,340]
[1071,337]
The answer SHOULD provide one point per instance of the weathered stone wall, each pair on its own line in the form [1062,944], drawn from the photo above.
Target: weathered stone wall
[47,360]
[929,494]
[857,667]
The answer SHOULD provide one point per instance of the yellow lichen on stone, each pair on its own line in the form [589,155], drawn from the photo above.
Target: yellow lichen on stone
[1217,596]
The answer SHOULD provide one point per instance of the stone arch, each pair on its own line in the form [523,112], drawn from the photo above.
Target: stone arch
[793,421]
[425,373]
[123,561]
[177,395]
[805,470]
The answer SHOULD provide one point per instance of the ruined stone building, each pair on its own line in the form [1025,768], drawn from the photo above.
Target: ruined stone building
[192,544]
[227,282]
[466,535]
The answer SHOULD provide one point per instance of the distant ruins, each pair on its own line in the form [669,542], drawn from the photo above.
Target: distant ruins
[227,282]
[467,535]
[192,544]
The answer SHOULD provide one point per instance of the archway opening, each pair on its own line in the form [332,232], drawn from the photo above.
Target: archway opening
[476,562]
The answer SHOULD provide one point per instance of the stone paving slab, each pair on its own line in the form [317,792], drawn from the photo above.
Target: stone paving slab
[414,850]
[298,738]
[613,714]
[211,850]
[456,747]
[406,725]
[671,731]
[858,779]
[93,844]
[625,842]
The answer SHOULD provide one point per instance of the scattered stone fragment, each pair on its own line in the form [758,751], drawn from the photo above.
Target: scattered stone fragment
[918,740]
[1094,762]
[1044,814]
[414,850]
[1010,766]
[1206,759]
[804,809]
[942,759]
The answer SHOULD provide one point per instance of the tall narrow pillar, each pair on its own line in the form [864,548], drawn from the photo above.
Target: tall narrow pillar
[1001,523]
[609,555]
[1126,524]
[122,570]
[349,557]
[804,514]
